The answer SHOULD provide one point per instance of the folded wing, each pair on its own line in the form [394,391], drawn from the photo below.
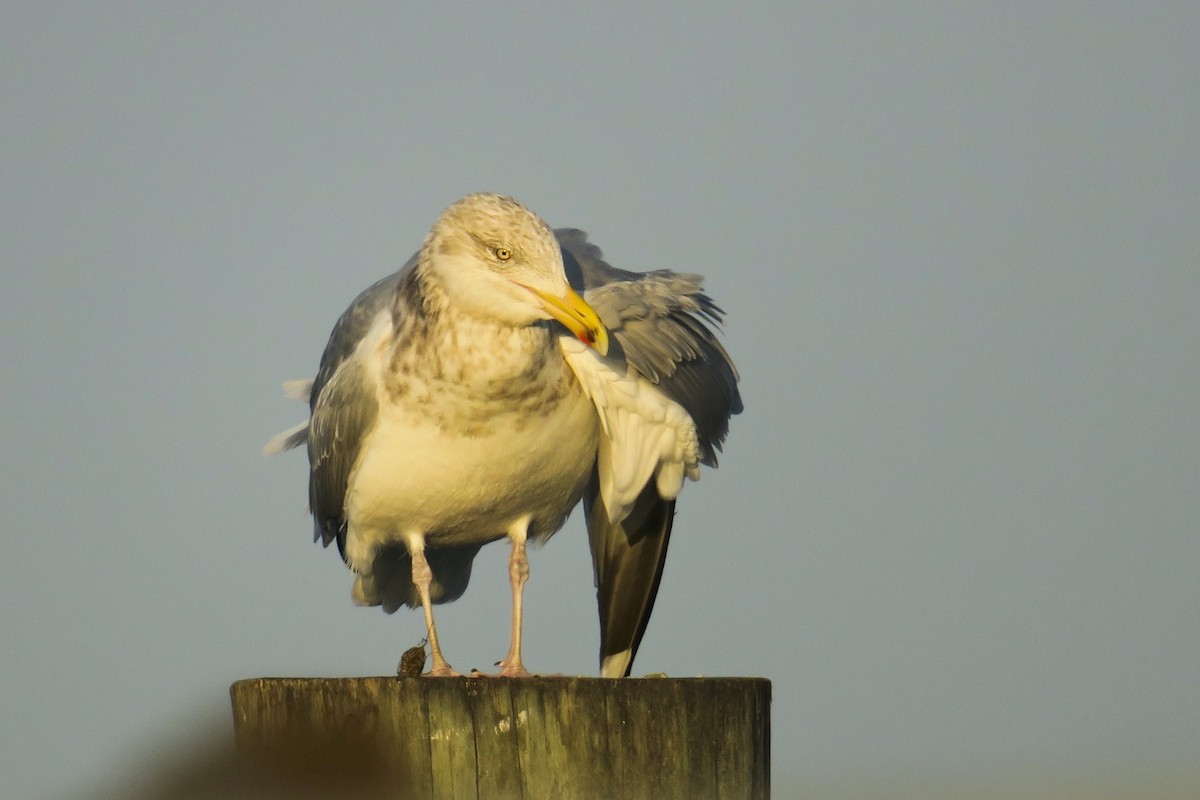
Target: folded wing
[342,398]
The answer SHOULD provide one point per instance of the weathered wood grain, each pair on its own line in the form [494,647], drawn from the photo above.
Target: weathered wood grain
[531,738]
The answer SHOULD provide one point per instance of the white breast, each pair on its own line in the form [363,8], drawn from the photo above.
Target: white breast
[461,469]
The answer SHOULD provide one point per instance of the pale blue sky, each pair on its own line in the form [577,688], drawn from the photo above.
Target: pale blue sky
[957,244]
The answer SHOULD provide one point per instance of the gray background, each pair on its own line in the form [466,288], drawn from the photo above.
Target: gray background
[957,243]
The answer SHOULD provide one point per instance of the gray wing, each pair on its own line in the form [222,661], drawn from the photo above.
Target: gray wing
[660,321]
[354,323]
[344,409]
[344,412]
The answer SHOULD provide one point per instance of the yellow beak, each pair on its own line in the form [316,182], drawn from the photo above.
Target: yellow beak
[579,318]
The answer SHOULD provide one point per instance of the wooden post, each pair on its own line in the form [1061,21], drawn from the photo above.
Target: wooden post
[500,738]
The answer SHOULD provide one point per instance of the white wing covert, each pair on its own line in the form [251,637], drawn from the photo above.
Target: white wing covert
[645,434]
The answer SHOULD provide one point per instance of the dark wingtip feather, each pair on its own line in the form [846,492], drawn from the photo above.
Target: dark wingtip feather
[628,558]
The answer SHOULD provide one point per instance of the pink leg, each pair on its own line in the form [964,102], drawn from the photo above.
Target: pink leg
[422,577]
[518,573]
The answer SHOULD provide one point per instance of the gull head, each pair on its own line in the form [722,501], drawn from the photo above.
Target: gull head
[497,260]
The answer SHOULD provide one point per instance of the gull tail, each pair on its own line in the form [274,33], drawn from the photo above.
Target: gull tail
[628,559]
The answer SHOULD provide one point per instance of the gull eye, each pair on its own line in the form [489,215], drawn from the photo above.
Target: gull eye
[503,253]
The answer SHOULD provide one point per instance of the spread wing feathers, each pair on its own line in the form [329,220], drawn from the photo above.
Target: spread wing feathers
[644,433]
[664,396]
[629,558]
[345,409]
[661,322]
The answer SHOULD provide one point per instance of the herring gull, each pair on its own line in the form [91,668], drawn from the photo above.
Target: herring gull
[502,375]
